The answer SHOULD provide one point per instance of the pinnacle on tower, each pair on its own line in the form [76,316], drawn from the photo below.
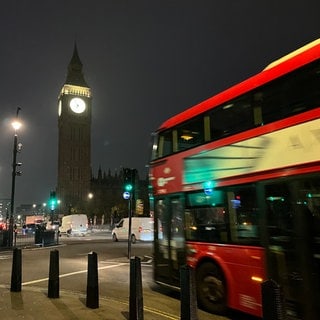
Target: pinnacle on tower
[75,74]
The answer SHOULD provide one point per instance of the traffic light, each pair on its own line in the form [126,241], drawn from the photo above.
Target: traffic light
[53,200]
[128,181]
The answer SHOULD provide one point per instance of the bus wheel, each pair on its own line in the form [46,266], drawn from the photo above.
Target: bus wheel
[114,238]
[211,289]
[133,238]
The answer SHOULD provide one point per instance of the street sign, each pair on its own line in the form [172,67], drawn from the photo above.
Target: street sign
[126,195]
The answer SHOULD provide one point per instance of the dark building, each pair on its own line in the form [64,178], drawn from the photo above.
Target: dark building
[108,201]
[74,142]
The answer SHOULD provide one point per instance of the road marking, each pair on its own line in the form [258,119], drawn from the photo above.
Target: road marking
[145,308]
[72,274]
[5,257]
[161,313]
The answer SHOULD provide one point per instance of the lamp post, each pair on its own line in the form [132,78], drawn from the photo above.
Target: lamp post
[59,207]
[88,207]
[16,126]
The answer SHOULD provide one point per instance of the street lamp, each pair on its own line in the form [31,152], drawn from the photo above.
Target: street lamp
[16,148]
[59,207]
[88,207]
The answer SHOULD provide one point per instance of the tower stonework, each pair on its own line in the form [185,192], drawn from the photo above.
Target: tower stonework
[74,141]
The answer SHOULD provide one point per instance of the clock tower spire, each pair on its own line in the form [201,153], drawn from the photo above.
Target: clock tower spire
[75,74]
[74,142]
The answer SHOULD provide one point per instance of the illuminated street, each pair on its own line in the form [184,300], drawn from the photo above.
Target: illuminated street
[113,271]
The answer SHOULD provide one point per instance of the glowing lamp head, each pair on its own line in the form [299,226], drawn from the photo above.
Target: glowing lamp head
[16,125]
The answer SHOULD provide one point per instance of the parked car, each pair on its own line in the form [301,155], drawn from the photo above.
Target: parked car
[141,229]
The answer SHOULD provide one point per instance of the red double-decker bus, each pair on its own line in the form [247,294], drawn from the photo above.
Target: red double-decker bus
[236,190]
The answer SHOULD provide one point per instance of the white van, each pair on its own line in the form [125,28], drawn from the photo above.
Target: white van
[141,229]
[74,224]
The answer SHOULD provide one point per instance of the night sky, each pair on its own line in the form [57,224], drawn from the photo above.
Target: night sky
[145,60]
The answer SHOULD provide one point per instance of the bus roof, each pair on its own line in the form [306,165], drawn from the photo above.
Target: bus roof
[274,70]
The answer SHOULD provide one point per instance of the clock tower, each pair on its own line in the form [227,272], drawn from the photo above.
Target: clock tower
[74,142]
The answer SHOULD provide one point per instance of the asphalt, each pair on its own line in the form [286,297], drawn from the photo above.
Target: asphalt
[34,303]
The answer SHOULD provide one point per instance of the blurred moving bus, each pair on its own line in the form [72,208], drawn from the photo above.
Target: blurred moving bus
[236,187]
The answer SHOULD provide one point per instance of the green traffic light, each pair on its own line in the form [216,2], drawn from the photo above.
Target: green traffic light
[53,200]
[53,203]
[128,187]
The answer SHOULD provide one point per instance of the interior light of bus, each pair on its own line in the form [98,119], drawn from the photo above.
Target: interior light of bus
[257,279]
[193,228]
[301,202]
[186,137]
[313,195]
[230,105]
[271,198]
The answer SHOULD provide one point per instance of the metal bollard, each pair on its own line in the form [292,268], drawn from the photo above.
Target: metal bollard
[53,284]
[272,301]
[188,296]
[16,274]
[136,295]
[92,282]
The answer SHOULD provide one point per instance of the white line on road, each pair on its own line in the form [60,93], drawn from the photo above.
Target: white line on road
[72,274]
[5,257]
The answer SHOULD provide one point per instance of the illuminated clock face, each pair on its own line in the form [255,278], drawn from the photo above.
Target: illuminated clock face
[77,105]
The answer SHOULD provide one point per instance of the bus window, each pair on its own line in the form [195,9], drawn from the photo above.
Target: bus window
[233,117]
[207,224]
[257,108]
[169,239]
[165,144]
[291,94]
[243,215]
[205,217]
[177,234]
[191,134]
[293,221]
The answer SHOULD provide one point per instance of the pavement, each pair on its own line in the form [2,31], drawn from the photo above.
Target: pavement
[34,303]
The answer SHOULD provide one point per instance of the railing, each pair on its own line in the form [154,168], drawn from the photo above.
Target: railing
[29,239]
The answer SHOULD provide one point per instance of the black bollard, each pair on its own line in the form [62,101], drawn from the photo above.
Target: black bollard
[272,301]
[188,296]
[53,284]
[92,282]
[16,274]
[136,296]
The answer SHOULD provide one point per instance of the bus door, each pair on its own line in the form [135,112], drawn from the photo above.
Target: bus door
[169,241]
[293,243]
